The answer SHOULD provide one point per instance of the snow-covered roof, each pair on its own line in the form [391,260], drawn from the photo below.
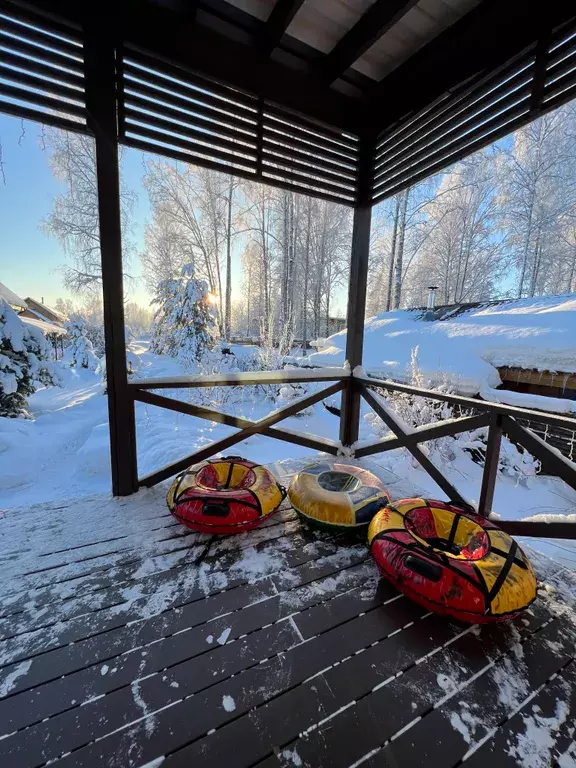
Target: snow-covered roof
[10,297]
[46,308]
[43,325]
[465,351]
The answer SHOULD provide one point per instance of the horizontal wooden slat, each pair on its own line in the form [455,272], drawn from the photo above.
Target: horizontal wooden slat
[171,73]
[431,162]
[42,54]
[241,379]
[285,156]
[470,116]
[34,34]
[468,402]
[38,99]
[277,124]
[245,157]
[136,105]
[324,132]
[49,87]
[18,110]
[27,64]
[463,148]
[274,166]
[301,151]
[134,117]
[204,96]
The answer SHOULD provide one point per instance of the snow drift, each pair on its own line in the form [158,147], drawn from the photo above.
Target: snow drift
[465,351]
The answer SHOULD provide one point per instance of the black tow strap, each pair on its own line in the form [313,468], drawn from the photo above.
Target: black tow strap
[504,572]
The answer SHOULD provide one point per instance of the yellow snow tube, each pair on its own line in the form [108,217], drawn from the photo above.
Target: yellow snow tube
[337,496]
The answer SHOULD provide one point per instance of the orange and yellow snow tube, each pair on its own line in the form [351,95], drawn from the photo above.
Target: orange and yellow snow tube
[226,495]
[452,561]
[337,496]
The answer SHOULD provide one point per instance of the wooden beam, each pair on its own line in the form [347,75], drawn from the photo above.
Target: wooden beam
[422,434]
[556,529]
[552,461]
[541,417]
[100,74]
[490,473]
[357,286]
[377,20]
[277,24]
[447,487]
[247,378]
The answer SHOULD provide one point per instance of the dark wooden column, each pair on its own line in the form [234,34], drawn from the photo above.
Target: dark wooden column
[350,416]
[100,72]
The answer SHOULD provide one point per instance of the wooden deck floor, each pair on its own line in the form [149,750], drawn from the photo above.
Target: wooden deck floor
[128,641]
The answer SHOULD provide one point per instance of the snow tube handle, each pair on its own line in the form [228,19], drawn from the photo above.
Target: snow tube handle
[215,509]
[423,568]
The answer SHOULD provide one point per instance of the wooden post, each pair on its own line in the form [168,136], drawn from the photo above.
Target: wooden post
[490,473]
[350,414]
[100,79]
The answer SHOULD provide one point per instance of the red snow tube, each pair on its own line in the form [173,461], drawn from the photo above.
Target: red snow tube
[451,561]
[226,495]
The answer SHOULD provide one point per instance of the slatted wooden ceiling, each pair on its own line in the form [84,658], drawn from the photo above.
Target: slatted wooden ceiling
[322,24]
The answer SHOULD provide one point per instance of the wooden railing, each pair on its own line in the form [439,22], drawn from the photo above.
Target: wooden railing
[500,419]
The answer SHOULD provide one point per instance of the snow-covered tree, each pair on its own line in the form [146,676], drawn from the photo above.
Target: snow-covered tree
[80,350]
[24,361]
[184,325]
[74,219]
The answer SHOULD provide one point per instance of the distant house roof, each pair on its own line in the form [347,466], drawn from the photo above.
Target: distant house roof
[467,345]
[12,298]
[44,312]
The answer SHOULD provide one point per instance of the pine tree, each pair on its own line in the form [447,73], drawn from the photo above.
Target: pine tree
[184,325]
[80,350]
[24,360]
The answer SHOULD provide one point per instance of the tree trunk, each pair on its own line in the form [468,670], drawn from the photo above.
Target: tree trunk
[392,255]
[400,254]
[526,245]
[306,279]
[228,315]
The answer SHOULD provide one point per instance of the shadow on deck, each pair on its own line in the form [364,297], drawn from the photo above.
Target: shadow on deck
[127,640]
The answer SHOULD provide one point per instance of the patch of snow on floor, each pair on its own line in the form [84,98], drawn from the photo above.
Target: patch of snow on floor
[533,748]
[446,683]
[228,703]
[459,725]
[511,682]
[149,724]
[292,757]
[8,683]
[154,763]
[224,636]
[210,639]
[104,669]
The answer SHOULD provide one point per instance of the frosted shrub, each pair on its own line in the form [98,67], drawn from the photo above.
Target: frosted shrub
[24,362]
[415,411]
[80,351]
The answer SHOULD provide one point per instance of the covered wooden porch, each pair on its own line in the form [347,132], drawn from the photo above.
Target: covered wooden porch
[129,641]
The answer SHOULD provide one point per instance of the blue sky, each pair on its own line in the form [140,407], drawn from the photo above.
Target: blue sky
[30,260]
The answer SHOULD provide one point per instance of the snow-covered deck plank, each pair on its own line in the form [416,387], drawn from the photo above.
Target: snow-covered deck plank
[125,639]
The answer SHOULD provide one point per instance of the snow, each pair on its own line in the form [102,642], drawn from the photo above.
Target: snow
[228,703]
[61,453]
[535,747]
[221,640]
[464,351]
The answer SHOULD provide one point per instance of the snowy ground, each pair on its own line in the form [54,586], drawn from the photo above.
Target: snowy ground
[63,452]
